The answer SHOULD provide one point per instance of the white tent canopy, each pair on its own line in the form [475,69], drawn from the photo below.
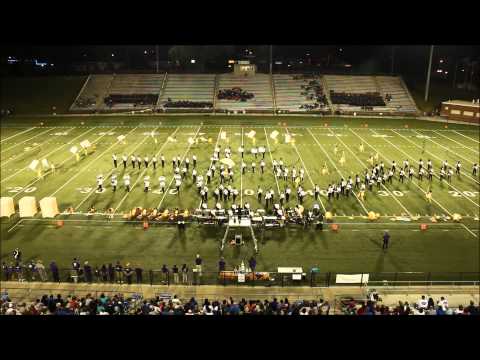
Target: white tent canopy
[27,206]
[7,208]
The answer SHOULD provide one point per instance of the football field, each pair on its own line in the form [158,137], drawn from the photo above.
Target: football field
[316,144]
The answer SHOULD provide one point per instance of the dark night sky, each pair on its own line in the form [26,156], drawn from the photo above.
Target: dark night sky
[367,58]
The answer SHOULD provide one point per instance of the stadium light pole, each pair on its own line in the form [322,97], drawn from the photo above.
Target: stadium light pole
[156,54]
[393,58]
[271,54]
[427,85]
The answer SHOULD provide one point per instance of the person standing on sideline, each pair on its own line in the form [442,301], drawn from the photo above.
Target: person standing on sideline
[252,263]
[221,264]
[54,271]
[175,274]
[198,264]
[184,274]
[138,272]
[386,239]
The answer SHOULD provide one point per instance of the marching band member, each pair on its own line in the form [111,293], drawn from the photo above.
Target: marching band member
[288,191]
[133,160]
[285,173]
[146,183]
[178,182]
[420,165]
[124,158]
[184,172]
[194,159]
[259,194]
[139,161]
[442,174]
[302,173]
[317,191]
[194,175]
[100,183]
[449,174]
[411,173]
[154,162]
[179,160]
[261,150]
[114,160]
[145,160]
[402,174]
[162,159]
[253,167]
[126,182]
[430,174]
[429,164]
[161,180]
[421,172]
[241,150]
[474,169]
[209,175]
[262,165]
[187,163]
[113,181]
[457,168]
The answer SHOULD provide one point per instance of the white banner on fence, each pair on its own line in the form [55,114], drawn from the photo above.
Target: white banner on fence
[351,278]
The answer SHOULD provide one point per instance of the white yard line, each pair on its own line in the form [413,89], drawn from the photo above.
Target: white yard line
[306,170]
[390,161]
[241,176]
[363,164]
[211,161]
[336,168]
[468,137]
[436,157]
[110,172]
[23,142]
[45,156]
[63,162]
[87,166]
[20,133]
[143,172]
[454,188]
[183,157]
[470,231]
[446,148]
[476,151]
[271,159]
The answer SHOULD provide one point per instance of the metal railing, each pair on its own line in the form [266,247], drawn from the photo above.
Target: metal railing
[230,278]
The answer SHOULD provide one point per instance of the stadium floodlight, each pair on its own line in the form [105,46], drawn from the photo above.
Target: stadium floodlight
[193,61]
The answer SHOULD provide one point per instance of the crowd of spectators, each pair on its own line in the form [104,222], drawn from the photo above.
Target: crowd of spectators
[374,306]
[187,104]
[364,100]
[118,304]
[135,99]
[85,102]
[236,94]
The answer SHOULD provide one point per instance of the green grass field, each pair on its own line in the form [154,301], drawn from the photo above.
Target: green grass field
[445,247]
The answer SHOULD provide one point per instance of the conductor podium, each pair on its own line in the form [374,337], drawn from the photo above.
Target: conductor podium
[234,222]
[239,222]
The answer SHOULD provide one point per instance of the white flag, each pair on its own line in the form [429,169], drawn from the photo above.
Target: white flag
[33,165]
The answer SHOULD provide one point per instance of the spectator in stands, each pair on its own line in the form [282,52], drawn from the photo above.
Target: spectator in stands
[252,263]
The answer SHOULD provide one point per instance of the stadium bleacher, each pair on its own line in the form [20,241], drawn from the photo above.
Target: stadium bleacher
[259,85]
[400,97]
[134,91]
[290,96]
[92,93]
[282,92]
[188,90]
